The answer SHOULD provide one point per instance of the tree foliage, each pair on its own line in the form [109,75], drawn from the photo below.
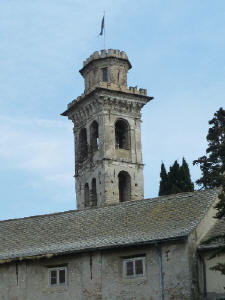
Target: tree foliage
[177,180]
[212,164]
[164,181]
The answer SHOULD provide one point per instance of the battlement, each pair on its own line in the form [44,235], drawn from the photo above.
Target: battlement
[105,54]
[114,87]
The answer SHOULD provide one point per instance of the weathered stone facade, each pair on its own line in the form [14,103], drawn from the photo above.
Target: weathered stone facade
[98,275]
[107,131]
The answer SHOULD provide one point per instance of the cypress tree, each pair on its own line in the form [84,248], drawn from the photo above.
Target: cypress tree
[163,186]
[186,185]
[174,179]
[177,180]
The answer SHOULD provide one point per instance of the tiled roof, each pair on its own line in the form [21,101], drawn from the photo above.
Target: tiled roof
[121,224]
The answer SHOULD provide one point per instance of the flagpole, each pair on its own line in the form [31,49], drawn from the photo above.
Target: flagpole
[104,30]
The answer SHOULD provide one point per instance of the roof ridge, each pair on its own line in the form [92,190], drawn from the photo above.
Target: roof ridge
[128,203]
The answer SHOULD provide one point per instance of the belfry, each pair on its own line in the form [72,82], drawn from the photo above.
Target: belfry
[107,132]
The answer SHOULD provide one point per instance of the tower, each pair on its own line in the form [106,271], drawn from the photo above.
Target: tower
[107,132]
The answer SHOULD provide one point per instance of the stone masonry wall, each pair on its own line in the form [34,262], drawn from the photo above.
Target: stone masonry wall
[105,164]
[99,275]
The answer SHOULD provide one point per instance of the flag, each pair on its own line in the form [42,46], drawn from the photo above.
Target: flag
[102,26]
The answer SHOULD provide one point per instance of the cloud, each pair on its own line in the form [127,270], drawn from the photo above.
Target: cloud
[37,146]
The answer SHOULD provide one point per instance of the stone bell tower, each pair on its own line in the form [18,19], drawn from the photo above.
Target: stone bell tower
[107,132]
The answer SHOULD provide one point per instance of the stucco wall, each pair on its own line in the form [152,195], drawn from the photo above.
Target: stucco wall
[98,275]
[214,280]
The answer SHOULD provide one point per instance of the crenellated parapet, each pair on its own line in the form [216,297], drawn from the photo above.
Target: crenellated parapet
[130,90]
[106,54]
[107,67]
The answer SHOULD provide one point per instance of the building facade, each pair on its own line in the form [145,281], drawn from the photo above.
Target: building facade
[116,245]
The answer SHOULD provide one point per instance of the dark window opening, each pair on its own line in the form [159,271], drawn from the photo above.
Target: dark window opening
[124,182]
[83,146]
[93,192]
[122,135]
[62,276]
[86,195]
[129,268]
[53,277]
[105,74]
[57,276]
[94,136]
[139,266]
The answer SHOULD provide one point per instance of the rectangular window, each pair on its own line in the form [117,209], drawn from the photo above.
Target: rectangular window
[105,74]
[57,276]
[134,267]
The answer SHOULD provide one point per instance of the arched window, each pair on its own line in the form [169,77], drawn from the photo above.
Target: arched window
[94,136]
[124,183]
[122,134]
[86,195]
[93,192]
[83,146]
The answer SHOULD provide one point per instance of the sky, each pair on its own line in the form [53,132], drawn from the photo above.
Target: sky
[177,50]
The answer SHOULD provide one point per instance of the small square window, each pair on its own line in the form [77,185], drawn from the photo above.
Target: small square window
[57,276]
[134,267]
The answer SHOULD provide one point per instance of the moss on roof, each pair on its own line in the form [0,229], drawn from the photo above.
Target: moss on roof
[121,224]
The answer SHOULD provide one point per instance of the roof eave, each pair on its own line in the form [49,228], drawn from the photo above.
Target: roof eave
[70,252]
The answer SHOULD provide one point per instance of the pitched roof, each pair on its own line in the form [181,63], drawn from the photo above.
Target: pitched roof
[121,224]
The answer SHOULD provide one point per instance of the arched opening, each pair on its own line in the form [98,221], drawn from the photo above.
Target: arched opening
[94,136]
[93,192]
[122,134]
[86,195]
[83,146]
[124,183]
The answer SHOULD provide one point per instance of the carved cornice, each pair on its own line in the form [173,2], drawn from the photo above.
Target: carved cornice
[121,105]
[96,94]
[102,101]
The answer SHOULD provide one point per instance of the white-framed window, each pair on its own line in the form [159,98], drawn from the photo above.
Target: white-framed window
[57,276]
[134,267]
